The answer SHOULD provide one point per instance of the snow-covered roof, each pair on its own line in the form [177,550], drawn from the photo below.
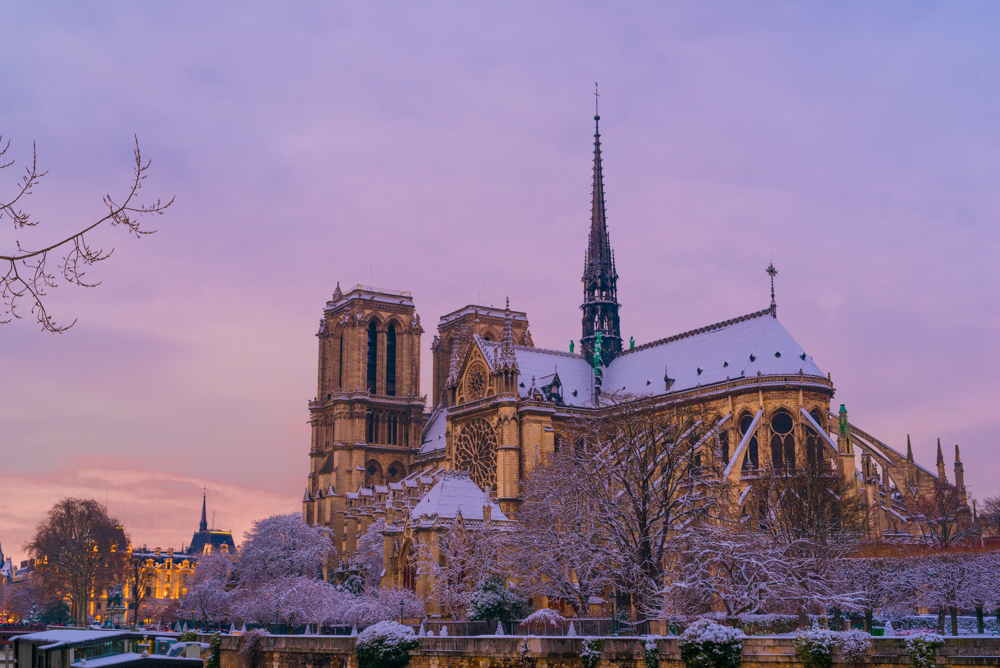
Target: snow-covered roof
[456,491]
[434,431]
[741,347]
[116,659]
[69,636]
[575,373]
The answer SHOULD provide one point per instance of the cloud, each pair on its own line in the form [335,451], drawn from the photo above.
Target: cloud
[157,508]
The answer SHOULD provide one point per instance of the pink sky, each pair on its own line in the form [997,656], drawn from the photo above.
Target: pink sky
[438,147]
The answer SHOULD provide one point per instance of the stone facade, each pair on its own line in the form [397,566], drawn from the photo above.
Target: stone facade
[505,652]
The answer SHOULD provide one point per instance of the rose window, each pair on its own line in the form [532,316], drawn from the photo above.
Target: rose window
[476,382]
[476,452]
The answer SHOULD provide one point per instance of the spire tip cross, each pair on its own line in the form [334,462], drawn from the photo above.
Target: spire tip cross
[772,272]
[597,99]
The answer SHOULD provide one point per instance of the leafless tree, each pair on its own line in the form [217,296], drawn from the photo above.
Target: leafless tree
[652,472]
[138,573]
[208,593]
[989,515]
[876,583]
[560,548]
[941,517]
[78,551]
[27,276]
[725,565]
[813,514]
[466,556]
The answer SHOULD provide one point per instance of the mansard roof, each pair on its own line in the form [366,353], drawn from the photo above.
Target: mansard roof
[741,347]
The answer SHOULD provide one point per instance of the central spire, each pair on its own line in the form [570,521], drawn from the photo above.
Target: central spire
[600,280]
[204,515]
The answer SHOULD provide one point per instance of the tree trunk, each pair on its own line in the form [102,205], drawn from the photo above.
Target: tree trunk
[980,621]
[954,621]
[868,621]
[941,621]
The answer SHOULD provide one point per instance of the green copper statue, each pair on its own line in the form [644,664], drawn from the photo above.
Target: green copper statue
[597,354]
[571,344]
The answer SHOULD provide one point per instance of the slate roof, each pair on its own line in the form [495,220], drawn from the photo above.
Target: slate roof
[213,538]
[433,435]
[728,350]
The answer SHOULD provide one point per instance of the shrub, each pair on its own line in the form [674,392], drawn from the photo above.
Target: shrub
[385,645]
[651,655]
[707,644]
[853,647]
[493,600]
[923,649]
[591,653]
[250,652]
[815,647]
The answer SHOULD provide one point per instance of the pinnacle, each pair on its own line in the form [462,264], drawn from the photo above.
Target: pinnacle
[909,449]
[958,455]
[506,359]
[940,457]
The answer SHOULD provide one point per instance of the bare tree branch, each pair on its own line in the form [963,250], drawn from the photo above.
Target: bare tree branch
[27,276]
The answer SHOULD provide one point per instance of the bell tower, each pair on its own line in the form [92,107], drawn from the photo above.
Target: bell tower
[367,415]
[600,280]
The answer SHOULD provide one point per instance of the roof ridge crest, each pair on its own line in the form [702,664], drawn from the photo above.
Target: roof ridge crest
[700,330]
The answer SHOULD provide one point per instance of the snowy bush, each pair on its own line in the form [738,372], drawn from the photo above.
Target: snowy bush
[537,621]
[923,649]
[853,647]
[250,651]
[815,647]
[591,652]
[651,654]
[493,600]
[707,644]
[385,645]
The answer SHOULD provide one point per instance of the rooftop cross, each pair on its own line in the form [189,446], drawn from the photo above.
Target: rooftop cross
[772,272]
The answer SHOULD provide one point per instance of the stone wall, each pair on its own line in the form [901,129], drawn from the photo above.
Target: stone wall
[504,652]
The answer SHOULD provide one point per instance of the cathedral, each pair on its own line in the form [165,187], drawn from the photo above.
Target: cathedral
[499,405]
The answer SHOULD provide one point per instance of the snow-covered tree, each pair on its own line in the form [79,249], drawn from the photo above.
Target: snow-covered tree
[564,537]
[367,557]
[742,571]
[492,599]
[466,557]
[382,604]
[875,583]
[283,546]
[945,582]
[208,591]
[811,513]
[648,473]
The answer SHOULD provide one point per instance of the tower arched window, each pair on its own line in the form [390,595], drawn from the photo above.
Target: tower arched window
[340,364]
[782,441]
[390,361]
[752,460]
[372,355]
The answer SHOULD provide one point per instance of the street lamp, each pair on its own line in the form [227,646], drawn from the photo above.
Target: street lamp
[614,614]
[192,619]
[400,611]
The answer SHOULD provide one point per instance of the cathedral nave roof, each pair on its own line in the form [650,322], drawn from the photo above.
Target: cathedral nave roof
[741,347]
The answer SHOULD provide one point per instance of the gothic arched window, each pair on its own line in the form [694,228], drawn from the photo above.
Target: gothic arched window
[752,460]
[814,443]
[724,444]
[782,440]
[390,361]
[340,364]
[372,355]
